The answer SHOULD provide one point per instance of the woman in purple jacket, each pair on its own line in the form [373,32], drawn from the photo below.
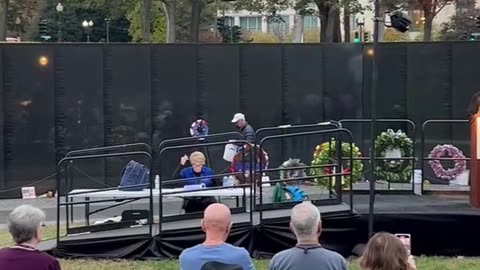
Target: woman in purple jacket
[25,225]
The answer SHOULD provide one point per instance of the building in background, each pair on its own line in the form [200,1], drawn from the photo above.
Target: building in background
[252,22]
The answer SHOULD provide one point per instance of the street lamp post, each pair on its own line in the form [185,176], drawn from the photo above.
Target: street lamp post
[59,9]
[18,21]
[373,115]
[361,25]
[87,26]
[107,30]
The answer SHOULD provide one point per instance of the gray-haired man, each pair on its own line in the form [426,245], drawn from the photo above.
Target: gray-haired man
[247,131]
[308,254]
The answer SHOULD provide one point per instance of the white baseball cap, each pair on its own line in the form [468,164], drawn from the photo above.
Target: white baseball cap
[237,117]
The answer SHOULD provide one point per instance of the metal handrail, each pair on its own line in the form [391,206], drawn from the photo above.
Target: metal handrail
[170,148]
[103,200]
[107,189]
[71,158]
[187,139]
[338,150]
[298,168]
[307,177]
[180,180]
[286,127]
[206,189]
[147,147]
[422,143]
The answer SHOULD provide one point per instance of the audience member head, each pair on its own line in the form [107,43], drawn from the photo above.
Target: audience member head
[216,223]
[305,222]
[197,159]
[239,120]
[25,223]
[384,251]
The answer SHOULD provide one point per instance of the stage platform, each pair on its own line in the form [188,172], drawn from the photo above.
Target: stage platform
[439,225]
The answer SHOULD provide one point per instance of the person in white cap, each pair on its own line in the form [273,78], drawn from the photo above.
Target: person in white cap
[247,130]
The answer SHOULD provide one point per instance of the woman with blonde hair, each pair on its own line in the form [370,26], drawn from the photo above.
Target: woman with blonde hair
[385,251]
[197,174]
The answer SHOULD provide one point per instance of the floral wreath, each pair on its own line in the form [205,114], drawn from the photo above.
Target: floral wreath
[447,150]
[241,161]
[199,128]
[394,170]
[289,174]
[323,155]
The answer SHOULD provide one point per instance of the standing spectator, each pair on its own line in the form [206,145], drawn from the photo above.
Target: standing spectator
[386,252]
[216,224]
[247,131]
[25,225]
[308,254]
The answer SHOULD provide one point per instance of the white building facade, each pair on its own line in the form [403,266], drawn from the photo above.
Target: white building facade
[254,22]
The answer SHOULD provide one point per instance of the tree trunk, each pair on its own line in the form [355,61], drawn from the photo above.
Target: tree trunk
[338,32]
[427,28]
[32,28]
[333,26]
[381,26]
[147,18]
[3,19]
[197,6]
[323,12]
[346,25]
[323,28]
[169,9]
[298,30]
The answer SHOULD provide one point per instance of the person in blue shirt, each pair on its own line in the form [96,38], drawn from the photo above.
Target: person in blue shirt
[197,174]
[216,223]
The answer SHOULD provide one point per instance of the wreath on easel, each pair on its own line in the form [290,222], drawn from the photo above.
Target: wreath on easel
[199,128]
[324,154]
[392,144]
[242,162]
[450,151]
[286,173]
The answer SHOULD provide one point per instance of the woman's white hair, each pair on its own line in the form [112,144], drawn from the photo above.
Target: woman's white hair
[23,223]
[304,220]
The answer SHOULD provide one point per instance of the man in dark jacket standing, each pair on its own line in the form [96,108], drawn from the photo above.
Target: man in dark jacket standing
[247,130]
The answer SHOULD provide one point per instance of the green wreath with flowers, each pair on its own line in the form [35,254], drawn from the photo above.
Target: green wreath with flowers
[324,154]
[392,144]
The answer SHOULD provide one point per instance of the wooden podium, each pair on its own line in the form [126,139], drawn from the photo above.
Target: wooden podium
[475,160]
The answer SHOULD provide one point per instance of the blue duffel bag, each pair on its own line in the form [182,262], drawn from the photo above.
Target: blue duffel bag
[134,173]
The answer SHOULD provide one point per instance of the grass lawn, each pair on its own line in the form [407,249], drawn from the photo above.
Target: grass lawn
[423,263]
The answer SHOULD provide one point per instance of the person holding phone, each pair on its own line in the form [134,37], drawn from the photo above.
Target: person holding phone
[387,252]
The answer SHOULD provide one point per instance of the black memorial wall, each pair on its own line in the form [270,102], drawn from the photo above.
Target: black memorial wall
[91,95]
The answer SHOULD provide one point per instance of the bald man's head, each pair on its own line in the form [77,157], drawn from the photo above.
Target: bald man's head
[217,219]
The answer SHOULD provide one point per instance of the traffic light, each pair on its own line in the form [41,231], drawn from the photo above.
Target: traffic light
[230,34]
[477,22]
[357,38]
[236,35]
[42,28]
[366,36]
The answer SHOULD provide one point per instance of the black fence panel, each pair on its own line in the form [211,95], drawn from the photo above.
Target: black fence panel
[80,109]
[58,97]
[2,124]
[29,130]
